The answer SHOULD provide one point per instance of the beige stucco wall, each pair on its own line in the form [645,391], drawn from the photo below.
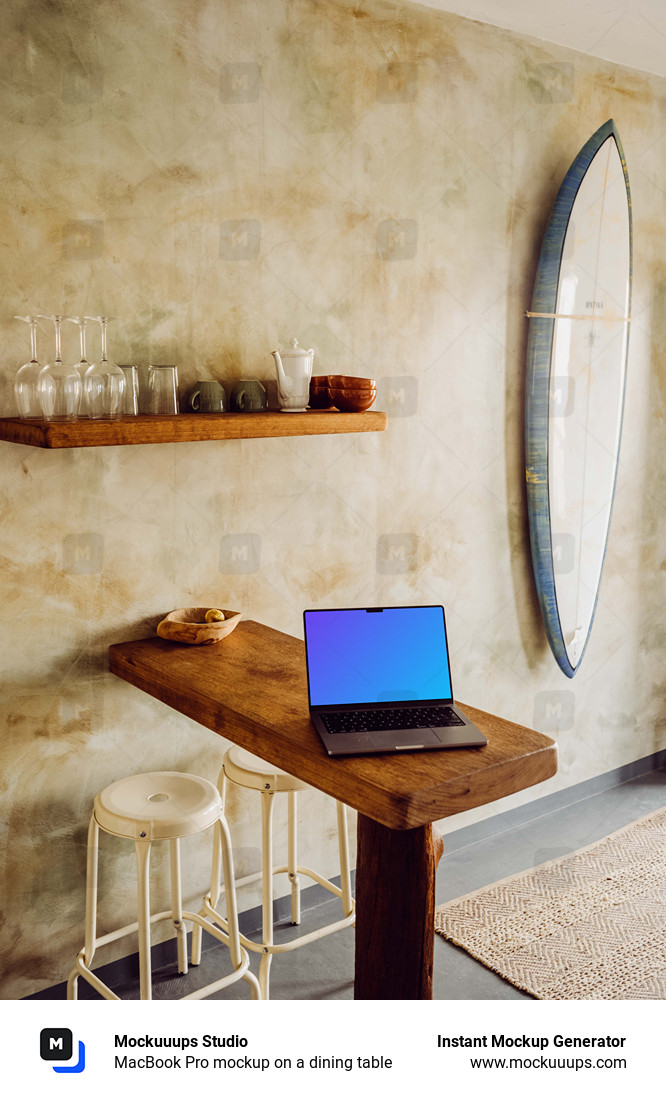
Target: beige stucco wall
[219,176]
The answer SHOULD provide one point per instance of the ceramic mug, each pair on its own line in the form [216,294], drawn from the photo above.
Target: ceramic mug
[248,395]
[207,397]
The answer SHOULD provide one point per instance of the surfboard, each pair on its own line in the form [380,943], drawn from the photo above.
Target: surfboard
[577,350]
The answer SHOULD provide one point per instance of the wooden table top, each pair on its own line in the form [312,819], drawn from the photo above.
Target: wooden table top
[251,688]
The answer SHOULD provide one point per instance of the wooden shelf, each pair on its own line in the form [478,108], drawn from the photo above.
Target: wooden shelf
[185,428]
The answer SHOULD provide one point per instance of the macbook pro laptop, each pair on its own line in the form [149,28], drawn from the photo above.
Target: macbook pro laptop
[379,680]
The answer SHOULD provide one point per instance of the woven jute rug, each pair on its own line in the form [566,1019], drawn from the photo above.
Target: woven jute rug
[587,926]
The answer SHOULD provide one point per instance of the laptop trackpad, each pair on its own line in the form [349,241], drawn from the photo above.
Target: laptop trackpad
[413,739]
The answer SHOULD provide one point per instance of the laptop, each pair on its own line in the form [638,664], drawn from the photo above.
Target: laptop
[379,680]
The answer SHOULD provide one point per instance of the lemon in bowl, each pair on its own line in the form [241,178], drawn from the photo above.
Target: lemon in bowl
[214,615]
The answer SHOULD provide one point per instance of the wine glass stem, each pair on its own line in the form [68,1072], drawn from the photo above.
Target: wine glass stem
[103,326]
[83,342]
[57,340]
[33,341]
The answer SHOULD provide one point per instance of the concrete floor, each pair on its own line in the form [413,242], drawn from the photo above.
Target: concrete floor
[324,970]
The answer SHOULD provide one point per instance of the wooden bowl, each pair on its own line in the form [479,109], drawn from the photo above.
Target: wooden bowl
[349,400]
[350,382]
[187,625]
[320,399]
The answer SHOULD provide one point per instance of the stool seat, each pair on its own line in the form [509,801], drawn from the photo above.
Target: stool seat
[251,771]
[158,806]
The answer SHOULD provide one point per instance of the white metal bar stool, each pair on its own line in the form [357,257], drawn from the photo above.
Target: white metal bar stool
[160,806]
[251,772]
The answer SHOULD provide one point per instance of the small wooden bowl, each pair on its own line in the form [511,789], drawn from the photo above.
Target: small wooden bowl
[320,399]
[349,400]
[351,382]
[187,625]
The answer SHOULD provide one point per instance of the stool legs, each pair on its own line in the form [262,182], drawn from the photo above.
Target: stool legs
[143,909]
[230,936]
[224,845]
[292,859]
[267,889]
[91,908]
[177,906]
[91,891]
[85,957]
[345,872]
[267,946]
[215,881]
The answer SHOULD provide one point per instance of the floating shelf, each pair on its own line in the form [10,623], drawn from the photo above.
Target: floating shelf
[185,428]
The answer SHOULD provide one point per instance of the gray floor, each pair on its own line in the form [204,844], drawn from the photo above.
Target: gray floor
[324,970]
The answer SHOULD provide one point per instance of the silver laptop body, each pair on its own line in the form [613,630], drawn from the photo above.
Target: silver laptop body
[379,680]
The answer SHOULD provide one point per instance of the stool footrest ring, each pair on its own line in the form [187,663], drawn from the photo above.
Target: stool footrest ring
[276,948]
[220,934]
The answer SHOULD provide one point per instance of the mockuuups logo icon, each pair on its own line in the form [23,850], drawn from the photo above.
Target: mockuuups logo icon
[240,553]
[564,551]
[56,1045]
[554,711]
[397,240]
[397,82]
[83,553]
[240,240]
[81,85]
[398,396]
[240,82]
[562,395]
[83,239]
[397,553]
[552,82]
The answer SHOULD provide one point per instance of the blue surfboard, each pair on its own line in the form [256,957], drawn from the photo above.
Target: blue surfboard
[576,370]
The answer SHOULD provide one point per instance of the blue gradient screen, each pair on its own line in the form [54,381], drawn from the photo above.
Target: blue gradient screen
[391,654]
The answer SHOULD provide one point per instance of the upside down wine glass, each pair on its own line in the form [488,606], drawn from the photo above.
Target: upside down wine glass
[83,364]
[25,385]
[59,385]
[103,383]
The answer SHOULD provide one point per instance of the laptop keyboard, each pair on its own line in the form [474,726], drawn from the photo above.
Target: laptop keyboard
[402,718]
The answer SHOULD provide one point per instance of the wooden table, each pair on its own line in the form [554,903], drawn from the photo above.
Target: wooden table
[251,689]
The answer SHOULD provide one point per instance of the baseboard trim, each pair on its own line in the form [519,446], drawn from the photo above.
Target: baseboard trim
[550,803]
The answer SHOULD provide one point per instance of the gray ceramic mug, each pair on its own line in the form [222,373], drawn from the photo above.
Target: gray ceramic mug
[248,395]
[208,397]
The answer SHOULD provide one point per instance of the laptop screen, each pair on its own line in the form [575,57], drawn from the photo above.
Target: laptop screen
[376,655]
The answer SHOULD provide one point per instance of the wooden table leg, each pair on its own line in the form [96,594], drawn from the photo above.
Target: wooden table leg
[395,905]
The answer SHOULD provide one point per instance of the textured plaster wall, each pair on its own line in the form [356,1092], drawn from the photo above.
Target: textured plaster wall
[373,178]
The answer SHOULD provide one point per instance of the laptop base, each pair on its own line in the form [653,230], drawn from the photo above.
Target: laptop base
[410,740]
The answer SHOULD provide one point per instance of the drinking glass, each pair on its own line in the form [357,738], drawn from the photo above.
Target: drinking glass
[104,383]
[25,385]
[59,385]
[131,398]
[163,389]
[83,364]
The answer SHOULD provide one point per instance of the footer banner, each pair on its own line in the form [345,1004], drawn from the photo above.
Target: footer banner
[304,1048]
